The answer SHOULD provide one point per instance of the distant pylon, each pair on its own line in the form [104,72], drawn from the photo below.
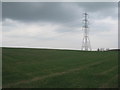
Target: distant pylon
[86,41]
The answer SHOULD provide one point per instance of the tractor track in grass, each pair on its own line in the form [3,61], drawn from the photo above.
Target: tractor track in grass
[107,71]
[106,84]
[53,75]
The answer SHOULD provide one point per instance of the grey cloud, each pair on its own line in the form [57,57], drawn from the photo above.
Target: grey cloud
[66,15]
[97,6]
[67,29]
[99,10]
[53,11]
[38,11]
[119,25]
[0,11]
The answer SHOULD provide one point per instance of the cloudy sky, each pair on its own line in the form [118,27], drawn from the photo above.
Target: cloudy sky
[58,24]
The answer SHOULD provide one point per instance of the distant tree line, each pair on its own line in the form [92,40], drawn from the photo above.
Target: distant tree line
[103,49]
[107,49]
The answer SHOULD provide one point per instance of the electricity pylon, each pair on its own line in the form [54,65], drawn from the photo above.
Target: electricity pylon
[86,41]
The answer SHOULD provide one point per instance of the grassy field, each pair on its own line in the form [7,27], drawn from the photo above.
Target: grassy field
[47,68]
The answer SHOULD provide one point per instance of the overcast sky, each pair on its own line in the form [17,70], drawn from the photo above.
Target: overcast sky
[58,24]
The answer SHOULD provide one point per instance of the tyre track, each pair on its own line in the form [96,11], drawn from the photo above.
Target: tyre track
[54,74]
[105,85]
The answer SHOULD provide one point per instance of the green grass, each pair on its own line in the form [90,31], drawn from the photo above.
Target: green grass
[51,68]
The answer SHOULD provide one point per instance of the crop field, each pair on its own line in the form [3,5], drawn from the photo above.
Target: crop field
[52,68]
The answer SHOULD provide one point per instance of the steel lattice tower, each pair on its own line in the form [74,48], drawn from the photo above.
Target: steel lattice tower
[86,41]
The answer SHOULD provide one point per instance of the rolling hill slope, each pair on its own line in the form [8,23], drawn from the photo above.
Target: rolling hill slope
[51,68]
